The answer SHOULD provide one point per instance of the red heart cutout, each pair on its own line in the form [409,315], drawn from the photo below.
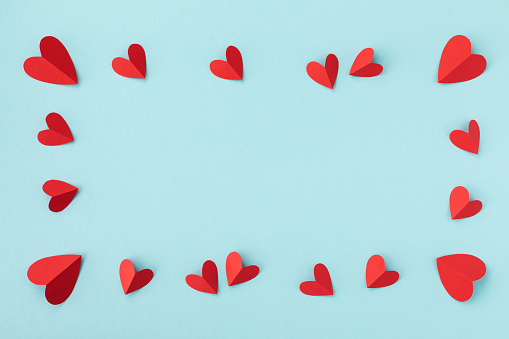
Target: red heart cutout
[207,282]
[236,273]
[322,284]
[460,204]
[53,66]
[458,272]
[61,194]
[467,141]
[362,65]
[377,276]
[58,132]
[457,63]
[132,280]
[58,273]
[232,68]
[135,67]
[324,75]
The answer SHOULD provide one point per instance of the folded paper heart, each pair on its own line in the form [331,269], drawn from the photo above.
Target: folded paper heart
[324,75]
[61,194]
[135,67]
[130,279]
[232,68]
[236,273]
[207,282]
[457,63]
[467,141]
[377,276]
[363,67]
[58,132]
[460,204]
[322,284]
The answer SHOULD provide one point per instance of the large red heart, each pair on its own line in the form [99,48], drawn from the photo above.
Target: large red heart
[377,276]
[207,282]
[324,75]
[61,194]
[53,66]
[132,280]
[458,272]
[232,68]
[467,141]
[236,273]
[460,204]
[58,273]
[457,63]
[322,284]
[363,67]
[58,132]
[135,67]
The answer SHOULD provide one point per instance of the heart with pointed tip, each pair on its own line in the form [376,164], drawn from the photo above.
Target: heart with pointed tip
[236,273]
[362,65]
[376,275]
[324,75]
[61,194]
[322,285]
[232,68]
[457,63]
[207,282]
[460,204]
[58,132]
[132,280]
[467,141]
[135,66]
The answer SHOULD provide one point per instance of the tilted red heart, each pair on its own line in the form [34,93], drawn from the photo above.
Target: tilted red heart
[135,67]
[322,284]
[467,141]
[457,63]
[130,279]
[232,68]
[324,75]
[58,132]
[460,204]
[236,273]
[363,67]
[377,276]
[54,66]
[61,194]
[207,282]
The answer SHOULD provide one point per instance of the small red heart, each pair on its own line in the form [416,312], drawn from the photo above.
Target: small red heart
[54,65]
[61,194]
[232,68]
[467,141]
[363,67]
[457,63]
[377,276]
[236,273]
[58,132]
[58,273]
[207,282]
[135,67]
[458,272]
[460,204]
[322,284]
[132,280]
[324,75]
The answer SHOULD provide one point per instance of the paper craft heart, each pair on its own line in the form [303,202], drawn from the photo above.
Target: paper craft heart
[232,68]
[58,132]
[457,63]
[53,66]
[363,67]
[460,204]
[61,194]
[458,272]
[207,282]
[236,273]
[132,280]
[58,273]
[135,67]
[322,284]
[324,75]
[467,141]
[377,276]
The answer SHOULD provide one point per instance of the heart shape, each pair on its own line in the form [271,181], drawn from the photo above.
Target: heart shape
[460,204]
[132,280]
[467,141]
[58,273]
[322,285]
[457,63]
[58,132]
[236,273]
[458,272]
[324,75]
[61,194]
[53,66]
[362,65]
[135,67]
[232,68]
[207,282]
[377,276]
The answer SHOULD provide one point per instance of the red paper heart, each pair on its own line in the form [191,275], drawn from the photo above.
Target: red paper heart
[207,282]
[58,273]
[363,67]
[460,204]
[324,75]
[467,141]
[322,284]
[58,132]
[135,67]
[458,272]
[457,63]
[53,66]
[232,68]
[132,280]
[61,194]
[236,273]
[377,276]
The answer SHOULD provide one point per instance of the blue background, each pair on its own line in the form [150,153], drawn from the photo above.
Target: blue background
[183,167]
